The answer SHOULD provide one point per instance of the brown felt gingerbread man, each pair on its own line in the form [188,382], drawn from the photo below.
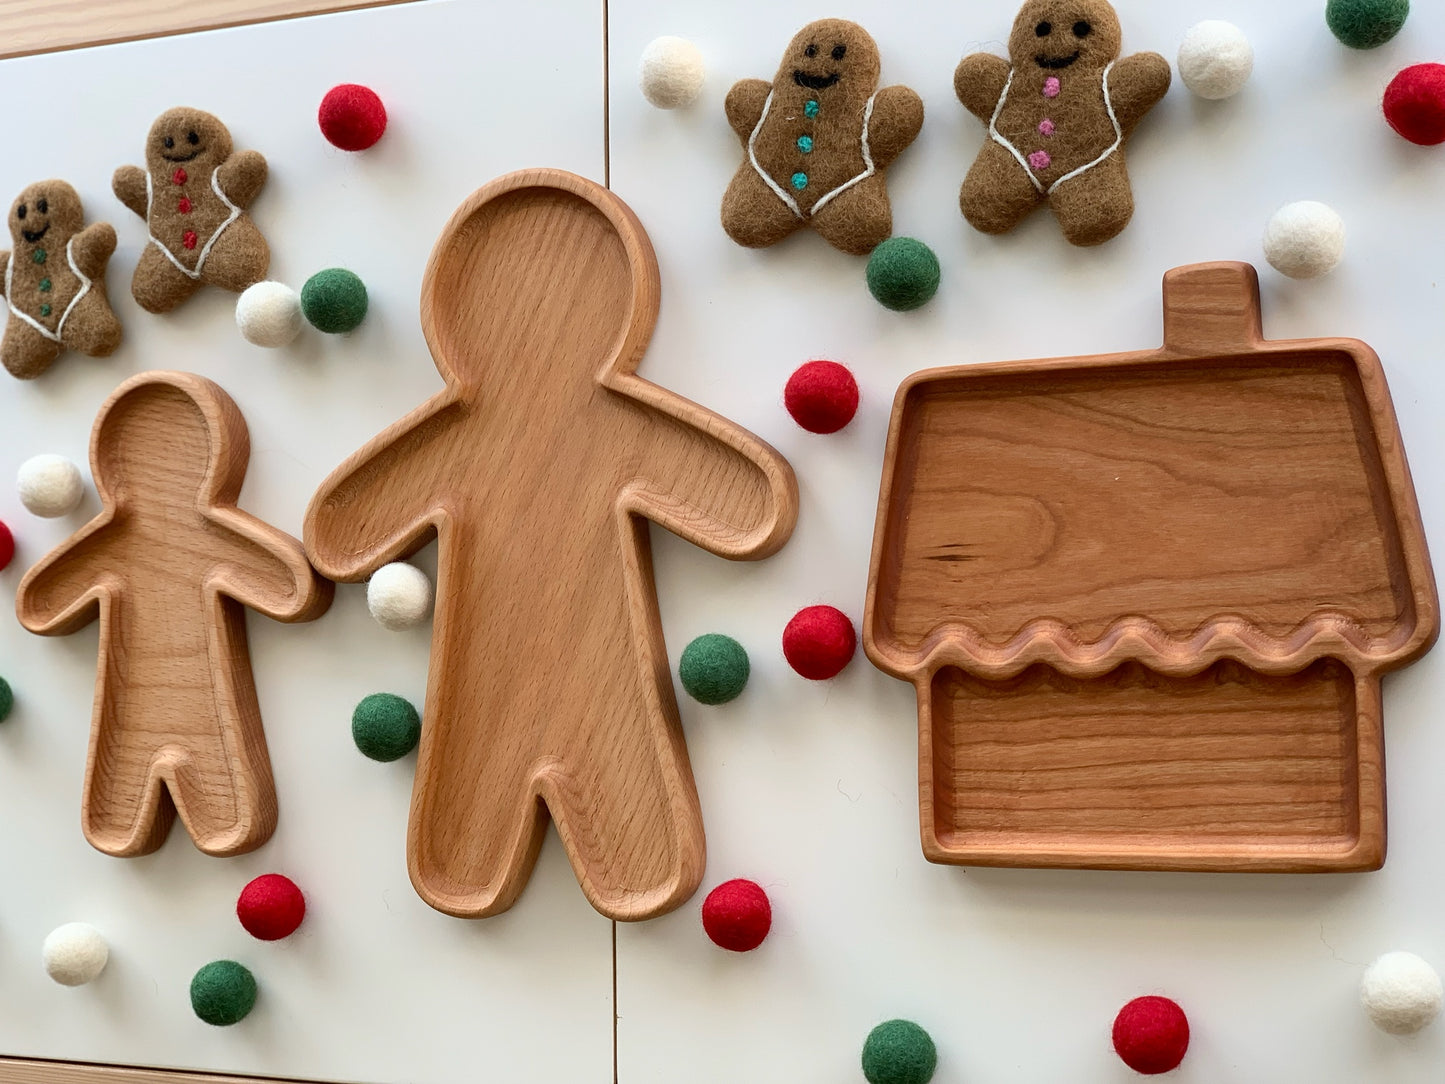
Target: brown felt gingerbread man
[55,281]
[818,139]
[193,194]
[1058,114]
[167,566]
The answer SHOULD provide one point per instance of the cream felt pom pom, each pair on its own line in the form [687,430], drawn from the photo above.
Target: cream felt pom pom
[75,954]
[672,72]
[1304,240]
[1401,992]
[1216,59]
[50,485]
[269,314]
[399,595]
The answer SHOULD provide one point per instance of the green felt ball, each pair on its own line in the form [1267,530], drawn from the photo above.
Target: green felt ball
[903,274]
[334,300]
[7,699]
[385,727]
[223,992]
[1366,24]
[714,669]
[899,1052]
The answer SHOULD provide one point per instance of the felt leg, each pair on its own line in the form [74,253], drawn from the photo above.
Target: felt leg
[239,258]
[857,220]
[998,193]
[752,213]
[25,352]
[159,285]
[1095,206]
[92,327]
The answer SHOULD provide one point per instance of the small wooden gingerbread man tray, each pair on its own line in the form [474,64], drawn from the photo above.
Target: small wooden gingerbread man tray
[1146,599]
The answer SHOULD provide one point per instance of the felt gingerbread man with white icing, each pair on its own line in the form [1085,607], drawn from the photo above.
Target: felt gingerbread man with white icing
[193,194]
[1058,114]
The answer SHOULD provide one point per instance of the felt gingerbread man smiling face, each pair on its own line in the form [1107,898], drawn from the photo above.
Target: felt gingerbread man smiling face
[193,195]
[1058,113]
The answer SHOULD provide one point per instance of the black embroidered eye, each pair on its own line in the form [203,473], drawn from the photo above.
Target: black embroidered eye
[193,139]
[838,51]
[811,51]
[42,206]
[1044,29]
[170,142]
[20,211]
[1081,29]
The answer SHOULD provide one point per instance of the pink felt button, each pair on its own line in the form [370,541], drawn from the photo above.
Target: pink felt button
[1046,127]
[1051,87]
[1040,160]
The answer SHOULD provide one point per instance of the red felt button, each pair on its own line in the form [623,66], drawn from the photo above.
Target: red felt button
[185,205]
[7,546]
[822,396]
[271,907]
[1151,1034]
[351,117]
[1415,104]
[189,239]
[737,915]
[179,176]
[819,641]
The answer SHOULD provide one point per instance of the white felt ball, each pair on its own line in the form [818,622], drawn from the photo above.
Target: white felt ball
[1216,59]
[75,954]
[1401,992]
[672,72]
[399,595]
[269,314]
[50,485]
[1304,240]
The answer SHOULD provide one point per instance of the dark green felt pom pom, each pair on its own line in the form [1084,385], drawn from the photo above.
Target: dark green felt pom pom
[1366,24]
[385,727]
[334,300]
[223,993]
[714,668]
[903,274]
[899,1052]
[7,699]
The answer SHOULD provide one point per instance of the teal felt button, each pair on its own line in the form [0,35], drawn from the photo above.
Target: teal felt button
[805,144]
[811,109]
[44,286]
[800,181]
[38,255]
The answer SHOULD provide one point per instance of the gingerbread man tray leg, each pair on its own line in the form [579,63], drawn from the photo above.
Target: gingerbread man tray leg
[167,566]
[537,469]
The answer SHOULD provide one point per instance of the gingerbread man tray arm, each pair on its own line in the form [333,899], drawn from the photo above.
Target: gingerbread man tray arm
[1136,84]
[897,119]
[60,593]
[242,176]
[979,81]
[266,570]
[744,106]
[129,185]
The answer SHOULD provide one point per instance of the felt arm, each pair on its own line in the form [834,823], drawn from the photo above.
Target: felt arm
[382,504]
[266,569]
[129,186]
[707,480]
[92,248]
[60,592]
[4,264]
[1135,86]
[896,121]
[241,177]
[744,105]
[978,81]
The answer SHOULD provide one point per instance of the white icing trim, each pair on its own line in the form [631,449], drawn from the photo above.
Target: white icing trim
[998,138]
[210,241]
[85,284]
[868,167]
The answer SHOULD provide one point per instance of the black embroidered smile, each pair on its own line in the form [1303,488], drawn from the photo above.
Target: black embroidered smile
[814,82]
[1055,63]
[34,235]
[181,157]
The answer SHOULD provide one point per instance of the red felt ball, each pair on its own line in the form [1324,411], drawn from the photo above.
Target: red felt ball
[352,117]
[271,907]
[819,641]
[7,546]
[1151,1034]
[737,915]
[1415,104]
[822,396]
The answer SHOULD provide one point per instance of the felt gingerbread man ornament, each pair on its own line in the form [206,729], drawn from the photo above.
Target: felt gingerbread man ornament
[537,470]
[193,195]
[54,281]
[167,566]
[1058,114]
[817,140]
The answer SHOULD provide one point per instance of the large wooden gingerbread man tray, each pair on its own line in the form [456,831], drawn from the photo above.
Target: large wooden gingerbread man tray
[1147,599]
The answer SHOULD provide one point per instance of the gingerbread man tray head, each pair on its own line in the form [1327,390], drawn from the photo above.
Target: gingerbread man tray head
[167,566]
[536,470]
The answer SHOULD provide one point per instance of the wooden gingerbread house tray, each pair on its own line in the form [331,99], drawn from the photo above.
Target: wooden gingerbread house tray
[1147,599]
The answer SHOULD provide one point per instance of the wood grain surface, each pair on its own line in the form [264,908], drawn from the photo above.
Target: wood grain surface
[46,26]
[20,1071]
[538,469]
[167,566]
[1147,599]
